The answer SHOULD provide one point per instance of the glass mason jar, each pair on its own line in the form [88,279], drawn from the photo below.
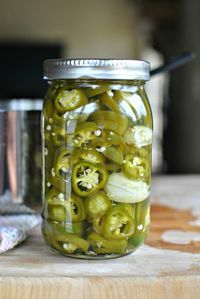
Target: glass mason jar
[97,139]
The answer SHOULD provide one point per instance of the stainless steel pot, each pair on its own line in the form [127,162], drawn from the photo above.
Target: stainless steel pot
[20,146]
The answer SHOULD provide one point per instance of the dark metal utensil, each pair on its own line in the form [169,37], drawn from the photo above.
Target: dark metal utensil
[174,63]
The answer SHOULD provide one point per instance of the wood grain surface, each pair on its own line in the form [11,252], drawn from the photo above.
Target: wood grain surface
[167,266]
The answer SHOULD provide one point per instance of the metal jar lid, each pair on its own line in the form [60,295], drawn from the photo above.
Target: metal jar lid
[110,69]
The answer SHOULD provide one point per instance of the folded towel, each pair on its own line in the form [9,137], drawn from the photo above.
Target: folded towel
[15,222]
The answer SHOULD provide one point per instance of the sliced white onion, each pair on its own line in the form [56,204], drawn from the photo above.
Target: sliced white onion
[122,189]
[139,136]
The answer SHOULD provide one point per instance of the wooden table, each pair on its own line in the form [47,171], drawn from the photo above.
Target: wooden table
[167,266]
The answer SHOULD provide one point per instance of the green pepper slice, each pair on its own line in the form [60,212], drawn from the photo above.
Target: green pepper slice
[115,139]
[107,99]
[75,209]
[114,154]
[142,221]
[117,224]
[48,108]
[101,245]
[68,100]
[57,212]
[109,138]
[48,155]
[50,240]
[62,209]
[135,164]
[96,224]
[92,92]
[47,137]
[72,243]
[62,162]
[97,204]
[110,120]
[113,167]
[142,213]
[59,136]
[58,119]
[89,155]
[100,144]
[56,205]
[77,228]
[59,183]
[127,207]
[87,178]
[86,132]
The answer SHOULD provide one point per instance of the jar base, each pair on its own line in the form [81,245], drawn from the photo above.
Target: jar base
[88,253]
[91,256]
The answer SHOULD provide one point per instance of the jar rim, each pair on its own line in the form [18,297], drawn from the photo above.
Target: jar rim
[91,68]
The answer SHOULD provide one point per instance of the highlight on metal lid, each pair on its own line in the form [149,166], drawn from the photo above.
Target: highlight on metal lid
[110,69]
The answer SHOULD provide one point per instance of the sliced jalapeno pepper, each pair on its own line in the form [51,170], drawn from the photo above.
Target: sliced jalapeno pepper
[133,104]
[97,204]
[127,207]
[137,239]
[100,144]
[48,108]
[62,209]
[115,139]
[48,154]
[117,224]
[142,221]
[47,131]
[114,154]
[92,92]
[75,209]
[47,137]
[89,155]
[59,183]
[107,98]
[110,120]
[85,132]
[135,164]
[72,243]
[50,240]
[58,119]
[56,205]
[113,167]
[69,100]
[96,224]
[77,228]
[62,162]
[104,250]
[102,246]
[109,138]
[87,178]
[59,136]
[57,212]
[142,213]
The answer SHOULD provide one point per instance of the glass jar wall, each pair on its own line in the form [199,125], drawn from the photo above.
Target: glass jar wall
[97,137]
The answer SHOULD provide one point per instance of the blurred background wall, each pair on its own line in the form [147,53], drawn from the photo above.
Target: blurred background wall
[152,29]
[86,28]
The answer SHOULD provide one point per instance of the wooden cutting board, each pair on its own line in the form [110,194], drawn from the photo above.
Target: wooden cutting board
[167,266]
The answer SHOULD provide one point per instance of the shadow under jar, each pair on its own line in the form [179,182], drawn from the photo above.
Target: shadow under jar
[97,139]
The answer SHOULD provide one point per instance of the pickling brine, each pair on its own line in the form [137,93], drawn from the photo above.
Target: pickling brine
[97,139]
